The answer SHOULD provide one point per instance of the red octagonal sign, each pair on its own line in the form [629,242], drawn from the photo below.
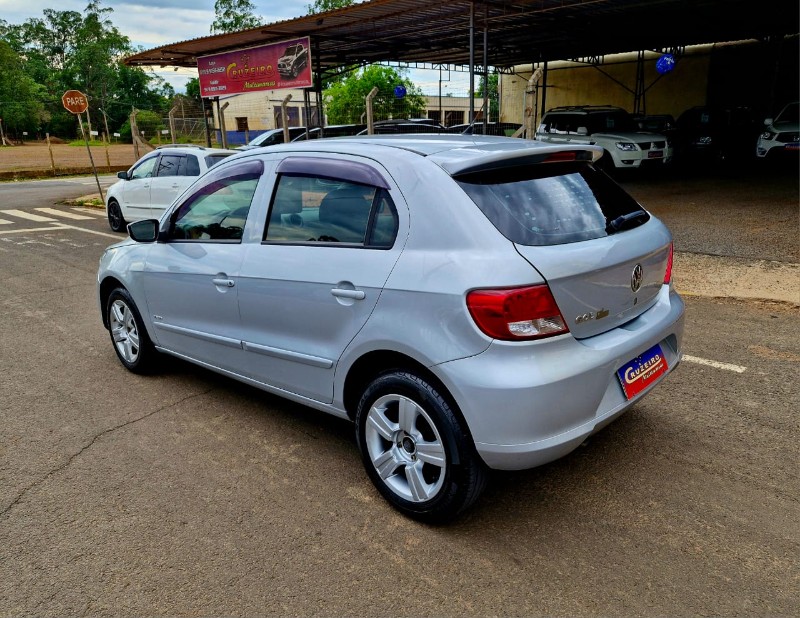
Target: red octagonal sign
[75,101]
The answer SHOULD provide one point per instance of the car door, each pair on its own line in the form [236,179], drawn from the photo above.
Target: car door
[173,173]
[135,194]
[330,243]
[190,279]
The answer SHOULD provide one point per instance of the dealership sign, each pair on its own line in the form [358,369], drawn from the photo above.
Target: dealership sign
[268,67]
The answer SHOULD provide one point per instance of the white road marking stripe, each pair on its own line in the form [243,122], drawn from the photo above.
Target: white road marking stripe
[91,211]
[117,237]
[63,213]
[26,215]
[37,229]
[5,222]
[714,364]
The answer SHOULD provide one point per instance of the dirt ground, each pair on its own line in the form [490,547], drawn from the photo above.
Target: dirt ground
[35,157]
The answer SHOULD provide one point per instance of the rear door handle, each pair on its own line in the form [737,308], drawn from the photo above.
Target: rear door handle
[354,294]
[226,283]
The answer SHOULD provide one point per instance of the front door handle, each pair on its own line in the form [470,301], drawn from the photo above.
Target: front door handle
[354,294]
[226,283]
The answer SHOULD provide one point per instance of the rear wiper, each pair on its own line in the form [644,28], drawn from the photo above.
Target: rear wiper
[625,221]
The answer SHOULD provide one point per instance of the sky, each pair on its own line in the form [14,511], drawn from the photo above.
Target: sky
[154,23]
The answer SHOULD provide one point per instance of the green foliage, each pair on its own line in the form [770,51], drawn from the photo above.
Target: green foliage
[64,50]
[20,108]
[492,92]
[234,15]
[193,89]
[345,100]
[148,122]
[320,6]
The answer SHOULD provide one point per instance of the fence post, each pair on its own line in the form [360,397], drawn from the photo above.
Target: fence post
[531,94]
[285,118]
[222,127]
[172,124]
[134,135]
[370,123]
[108,158]
[50,148]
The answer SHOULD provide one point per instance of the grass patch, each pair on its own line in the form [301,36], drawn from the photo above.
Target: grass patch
[80,142]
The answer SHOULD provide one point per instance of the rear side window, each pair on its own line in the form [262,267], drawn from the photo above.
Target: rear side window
[549,203]
[310,209]
[168,165]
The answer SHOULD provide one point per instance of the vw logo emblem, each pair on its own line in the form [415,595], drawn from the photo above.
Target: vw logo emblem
[636,278]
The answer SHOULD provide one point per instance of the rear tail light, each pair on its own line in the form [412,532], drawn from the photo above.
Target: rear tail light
[668,273]
[517,314]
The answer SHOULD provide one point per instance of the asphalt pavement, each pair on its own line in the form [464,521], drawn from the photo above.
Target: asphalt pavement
[189,494]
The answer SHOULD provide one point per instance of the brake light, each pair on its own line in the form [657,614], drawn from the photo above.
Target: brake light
[516,314]
[668,273]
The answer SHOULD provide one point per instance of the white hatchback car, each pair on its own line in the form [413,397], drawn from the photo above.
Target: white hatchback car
[612,128]
[155,180]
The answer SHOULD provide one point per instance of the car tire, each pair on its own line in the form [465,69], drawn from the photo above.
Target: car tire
[128,335]
[416,450]
[115,219]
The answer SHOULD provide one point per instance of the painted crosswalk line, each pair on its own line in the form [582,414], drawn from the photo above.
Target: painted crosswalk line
[64,213]
[5,222]
[26,215]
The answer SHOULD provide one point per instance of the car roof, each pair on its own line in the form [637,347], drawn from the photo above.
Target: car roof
[585,109]
[190,148]
[457,154]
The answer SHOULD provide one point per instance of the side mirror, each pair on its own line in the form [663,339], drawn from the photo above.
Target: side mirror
[582,131]
[767,121]
[144,231]
[122,175]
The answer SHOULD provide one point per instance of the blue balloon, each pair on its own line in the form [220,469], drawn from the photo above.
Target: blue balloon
[665,64]
[399,91]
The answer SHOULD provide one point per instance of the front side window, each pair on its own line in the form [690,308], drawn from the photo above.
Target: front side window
[144,169]
[218,210]
[550,203]
[309,209]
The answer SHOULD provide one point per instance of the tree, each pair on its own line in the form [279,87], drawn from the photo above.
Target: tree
[345,100]
[320,6]
[20,108]
[66,50]
[193,88]
[492,93]
[234,15]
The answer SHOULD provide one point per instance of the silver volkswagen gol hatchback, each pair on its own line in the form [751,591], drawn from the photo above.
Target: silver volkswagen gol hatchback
[470,302]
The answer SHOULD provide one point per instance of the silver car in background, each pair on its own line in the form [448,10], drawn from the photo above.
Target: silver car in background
[469,302]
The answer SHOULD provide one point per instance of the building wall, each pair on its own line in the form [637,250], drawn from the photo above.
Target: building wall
[752,74]
[611,83]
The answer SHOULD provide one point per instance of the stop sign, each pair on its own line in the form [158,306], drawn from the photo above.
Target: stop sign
[75,101]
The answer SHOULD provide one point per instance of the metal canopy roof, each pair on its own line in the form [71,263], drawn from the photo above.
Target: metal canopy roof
[519,31]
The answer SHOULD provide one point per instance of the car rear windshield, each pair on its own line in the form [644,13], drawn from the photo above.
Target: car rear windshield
[551,203]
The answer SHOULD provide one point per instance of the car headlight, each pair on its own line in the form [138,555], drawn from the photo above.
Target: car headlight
[767,135]
[626,146]
[703,141]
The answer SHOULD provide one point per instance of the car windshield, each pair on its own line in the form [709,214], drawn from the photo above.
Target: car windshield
[611,121]
[789,113]
[264,137]
[291,51]
[549,203]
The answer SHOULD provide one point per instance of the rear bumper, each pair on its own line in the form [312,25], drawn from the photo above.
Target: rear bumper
[528,404]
